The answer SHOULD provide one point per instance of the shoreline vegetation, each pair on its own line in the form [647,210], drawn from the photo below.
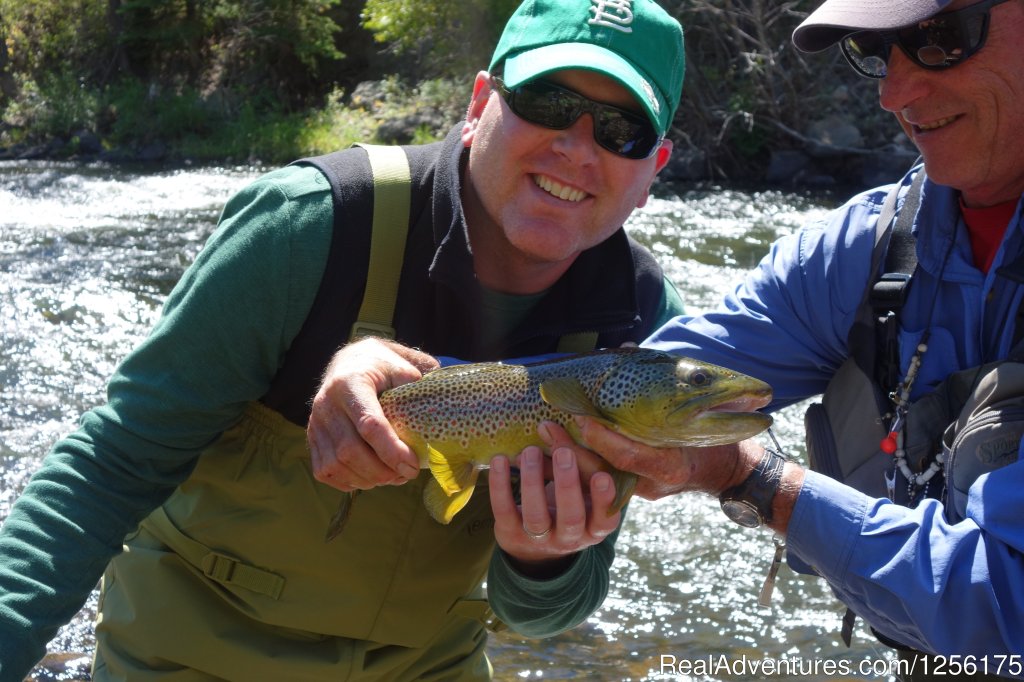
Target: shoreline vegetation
[265,82]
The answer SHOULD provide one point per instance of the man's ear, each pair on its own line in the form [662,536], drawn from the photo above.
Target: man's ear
[481,93]
[661,158]
[663,154]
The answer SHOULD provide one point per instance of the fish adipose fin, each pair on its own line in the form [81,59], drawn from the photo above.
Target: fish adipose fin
[452,473]
[567,394]
[442,506]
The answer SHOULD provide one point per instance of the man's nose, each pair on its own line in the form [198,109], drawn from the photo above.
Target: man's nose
[577,141]
[904,82]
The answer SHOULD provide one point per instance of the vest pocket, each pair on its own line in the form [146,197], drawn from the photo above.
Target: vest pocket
[988,441]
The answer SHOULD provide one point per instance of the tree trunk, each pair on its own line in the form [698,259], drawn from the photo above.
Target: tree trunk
[8,89]
[119,62]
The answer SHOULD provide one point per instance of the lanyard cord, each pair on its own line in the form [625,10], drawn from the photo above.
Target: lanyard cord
[893,443]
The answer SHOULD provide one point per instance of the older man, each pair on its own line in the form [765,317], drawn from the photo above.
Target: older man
[941,570]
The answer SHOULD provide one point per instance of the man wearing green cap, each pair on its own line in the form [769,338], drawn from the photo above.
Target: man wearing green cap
[197,487]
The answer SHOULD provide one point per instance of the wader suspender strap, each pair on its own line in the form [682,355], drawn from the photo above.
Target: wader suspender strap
[580,342]
[392,184]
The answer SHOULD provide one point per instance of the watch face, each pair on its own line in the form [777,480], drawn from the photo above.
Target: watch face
[742,512]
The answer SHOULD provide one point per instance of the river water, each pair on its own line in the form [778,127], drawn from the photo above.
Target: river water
[88,253]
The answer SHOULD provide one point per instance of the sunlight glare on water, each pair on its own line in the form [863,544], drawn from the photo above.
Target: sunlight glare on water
[706,239]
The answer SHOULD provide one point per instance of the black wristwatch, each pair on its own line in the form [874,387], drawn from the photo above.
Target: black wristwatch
[750,503]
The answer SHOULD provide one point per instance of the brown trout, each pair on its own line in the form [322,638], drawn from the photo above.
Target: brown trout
[457,418]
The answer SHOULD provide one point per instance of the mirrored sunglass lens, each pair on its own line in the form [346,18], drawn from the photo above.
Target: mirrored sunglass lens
[933,41]
[632,137]
[547,106]
[944,40]
[868,51]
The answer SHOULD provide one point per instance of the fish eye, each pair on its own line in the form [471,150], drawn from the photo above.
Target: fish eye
[697,377]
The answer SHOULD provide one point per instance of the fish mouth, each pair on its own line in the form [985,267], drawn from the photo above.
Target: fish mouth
[744,404]
[714,420]
[748,403]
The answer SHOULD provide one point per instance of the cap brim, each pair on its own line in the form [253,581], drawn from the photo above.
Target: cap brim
[837,18]
[531,64]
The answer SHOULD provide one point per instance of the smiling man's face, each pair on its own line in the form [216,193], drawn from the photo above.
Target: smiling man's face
[539,196]
[967,121]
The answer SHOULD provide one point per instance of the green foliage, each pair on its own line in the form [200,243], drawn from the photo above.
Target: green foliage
[245,45]
[137,115]
[55,107]
[49,36]
[444,36]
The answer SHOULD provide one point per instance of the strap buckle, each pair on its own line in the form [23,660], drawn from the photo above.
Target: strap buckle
[227,571]
[478,610]
[361,329]
[890,291]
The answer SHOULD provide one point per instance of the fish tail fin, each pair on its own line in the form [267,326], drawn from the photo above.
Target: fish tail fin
[625,484]
[444,506]
[452,473]
[340,518]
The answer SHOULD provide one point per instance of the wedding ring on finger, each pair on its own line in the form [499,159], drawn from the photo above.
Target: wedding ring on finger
[537,536]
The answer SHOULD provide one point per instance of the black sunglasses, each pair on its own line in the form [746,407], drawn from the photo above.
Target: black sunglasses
[939,42]
[621,132]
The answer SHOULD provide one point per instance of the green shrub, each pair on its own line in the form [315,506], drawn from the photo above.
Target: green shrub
[56,106]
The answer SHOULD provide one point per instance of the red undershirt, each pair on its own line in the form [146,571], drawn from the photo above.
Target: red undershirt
[986,227]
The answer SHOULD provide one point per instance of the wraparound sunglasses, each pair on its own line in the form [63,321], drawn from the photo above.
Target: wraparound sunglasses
[544,103]
[939,42]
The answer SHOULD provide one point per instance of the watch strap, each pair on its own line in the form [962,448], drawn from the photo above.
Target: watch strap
[760,487]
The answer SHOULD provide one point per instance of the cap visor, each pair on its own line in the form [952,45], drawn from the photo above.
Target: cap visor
[837,18]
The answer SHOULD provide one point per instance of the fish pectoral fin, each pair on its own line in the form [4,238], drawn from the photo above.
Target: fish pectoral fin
[444,506]
[567,394]
[340,518]
[452,473]
[625,484]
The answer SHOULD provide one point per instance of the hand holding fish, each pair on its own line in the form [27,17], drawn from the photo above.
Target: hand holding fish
[662,471]
[666,471]
[352,445]
[556,519]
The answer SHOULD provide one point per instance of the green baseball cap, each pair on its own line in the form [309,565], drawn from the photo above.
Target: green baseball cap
[633,41]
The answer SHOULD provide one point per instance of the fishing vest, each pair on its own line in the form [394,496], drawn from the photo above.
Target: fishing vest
[971,423]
